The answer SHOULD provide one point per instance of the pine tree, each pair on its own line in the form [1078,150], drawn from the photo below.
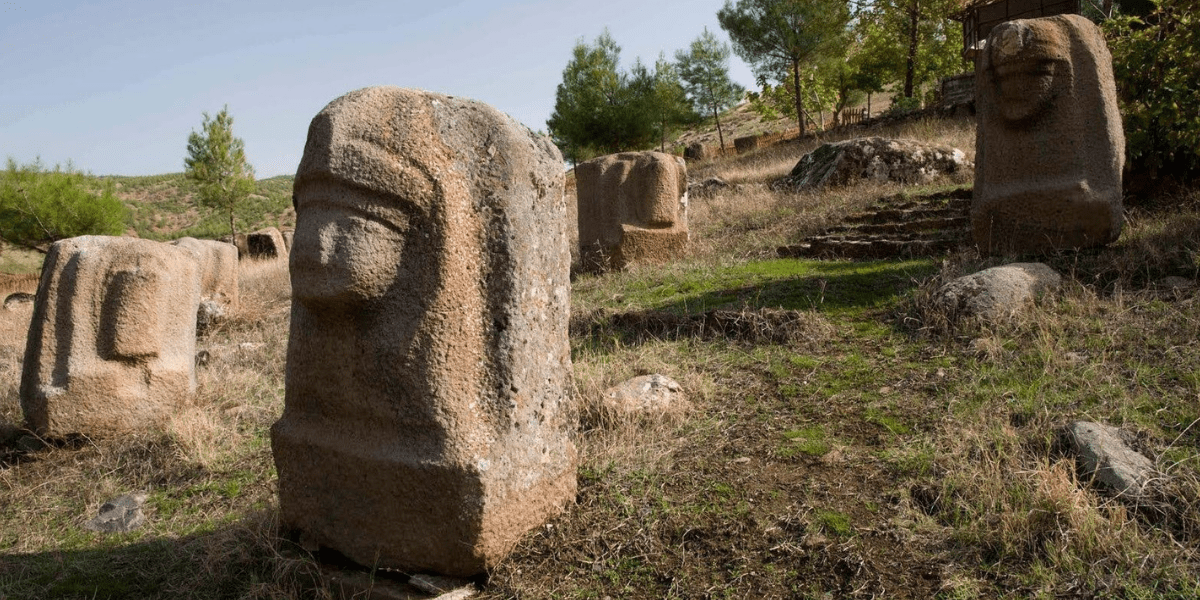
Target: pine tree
[216,161]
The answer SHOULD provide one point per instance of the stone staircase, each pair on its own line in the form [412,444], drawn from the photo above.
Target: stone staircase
[897,227]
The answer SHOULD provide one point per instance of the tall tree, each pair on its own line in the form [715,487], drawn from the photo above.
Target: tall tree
[778,38]
[216,161]
[668,99]
[917,37]
[704,69]
[39,207]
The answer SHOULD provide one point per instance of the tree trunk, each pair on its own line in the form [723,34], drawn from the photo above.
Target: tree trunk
[232,231]
[910,66]
[799,98]
[720,136]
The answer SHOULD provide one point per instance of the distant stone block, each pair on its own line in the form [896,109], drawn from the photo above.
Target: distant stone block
[632,207]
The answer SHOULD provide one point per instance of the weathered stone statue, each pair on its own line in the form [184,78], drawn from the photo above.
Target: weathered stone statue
[112,341]
[218,269]
[632,207]
[1049,146]
[427,423]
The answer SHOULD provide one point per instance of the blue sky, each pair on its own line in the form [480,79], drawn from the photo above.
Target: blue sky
[115,87]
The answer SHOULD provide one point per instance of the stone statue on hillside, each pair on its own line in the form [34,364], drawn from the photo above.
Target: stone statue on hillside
[427,423]
[112,342]
[1049,147]
[632,207]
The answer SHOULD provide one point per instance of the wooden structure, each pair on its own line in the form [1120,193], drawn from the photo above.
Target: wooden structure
[980,16]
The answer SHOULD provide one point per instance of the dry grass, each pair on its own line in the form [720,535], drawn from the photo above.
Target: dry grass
[878,451]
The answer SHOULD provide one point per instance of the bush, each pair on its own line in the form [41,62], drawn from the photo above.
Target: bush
[1158,84]
[39,207]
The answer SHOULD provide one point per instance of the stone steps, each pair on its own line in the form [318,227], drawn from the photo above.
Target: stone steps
[897,227]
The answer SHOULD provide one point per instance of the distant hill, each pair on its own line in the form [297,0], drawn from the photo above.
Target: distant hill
[163,207]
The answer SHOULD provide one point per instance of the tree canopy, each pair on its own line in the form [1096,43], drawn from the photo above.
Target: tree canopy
[216,161]
[1158,84]
[913,42]
[704,69]
[600,109]
[778,38]
[39,207]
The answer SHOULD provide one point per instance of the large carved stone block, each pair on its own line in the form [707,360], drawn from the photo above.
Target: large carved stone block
[427,422]
[1049,146]
[218,269]
[112,342]
[632,207]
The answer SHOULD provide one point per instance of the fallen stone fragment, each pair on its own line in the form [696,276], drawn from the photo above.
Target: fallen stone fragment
[1103,455]
[119,515]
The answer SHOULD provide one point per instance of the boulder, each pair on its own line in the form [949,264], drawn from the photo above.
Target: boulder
[632,207]
[999,292]
[113,336]
[218,269]
[1049,145]
[427,421]
[875,159]
[1102,454]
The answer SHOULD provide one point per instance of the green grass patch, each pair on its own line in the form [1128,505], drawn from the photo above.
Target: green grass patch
[809,440]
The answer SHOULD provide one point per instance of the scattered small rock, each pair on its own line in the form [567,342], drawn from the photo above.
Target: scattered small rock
[645,396]
[706,187]
[29,444]
[1075,358]
[121,514]
[208,315]
[203,357]
[446,588]
[1103,454]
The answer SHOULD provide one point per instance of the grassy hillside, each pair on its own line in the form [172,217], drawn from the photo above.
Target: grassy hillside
[859,446]
[163,207]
